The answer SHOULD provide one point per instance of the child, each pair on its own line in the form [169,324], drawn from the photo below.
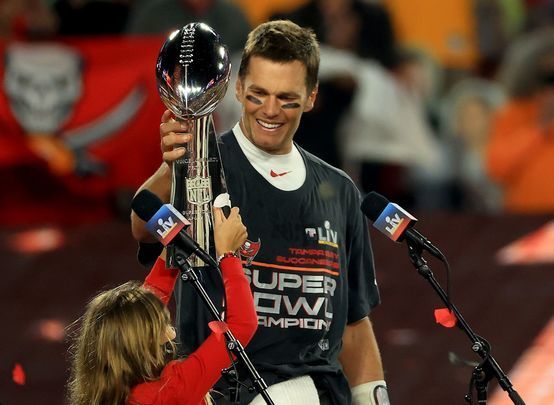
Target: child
[121,351]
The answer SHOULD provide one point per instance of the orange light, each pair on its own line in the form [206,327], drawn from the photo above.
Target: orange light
[52,330]
[38,240]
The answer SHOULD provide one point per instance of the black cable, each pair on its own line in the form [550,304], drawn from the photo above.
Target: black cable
[448,282]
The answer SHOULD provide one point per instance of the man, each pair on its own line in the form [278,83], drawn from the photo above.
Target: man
[308,256]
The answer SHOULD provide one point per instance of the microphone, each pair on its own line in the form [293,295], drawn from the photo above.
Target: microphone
[395,222]
[167,224]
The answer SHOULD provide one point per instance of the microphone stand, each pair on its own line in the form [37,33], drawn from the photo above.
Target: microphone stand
[488,368]
[233,345]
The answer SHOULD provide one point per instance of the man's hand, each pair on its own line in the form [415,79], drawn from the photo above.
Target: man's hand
[174,135]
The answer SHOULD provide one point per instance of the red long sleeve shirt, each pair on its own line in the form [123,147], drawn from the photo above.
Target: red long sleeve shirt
[187,381]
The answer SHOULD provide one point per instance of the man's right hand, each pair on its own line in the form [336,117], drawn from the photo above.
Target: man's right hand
[174,135]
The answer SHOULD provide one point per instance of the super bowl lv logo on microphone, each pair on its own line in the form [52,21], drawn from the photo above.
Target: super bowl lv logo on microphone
[166,224]
[393,221]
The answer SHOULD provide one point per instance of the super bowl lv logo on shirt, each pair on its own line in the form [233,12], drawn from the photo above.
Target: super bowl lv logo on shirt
[295,290]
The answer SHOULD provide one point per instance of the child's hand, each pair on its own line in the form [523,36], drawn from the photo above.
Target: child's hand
[229,233]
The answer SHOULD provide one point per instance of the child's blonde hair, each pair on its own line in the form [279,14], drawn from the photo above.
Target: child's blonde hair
[120,343]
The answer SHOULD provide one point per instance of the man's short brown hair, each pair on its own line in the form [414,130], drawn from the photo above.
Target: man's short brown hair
[283,41]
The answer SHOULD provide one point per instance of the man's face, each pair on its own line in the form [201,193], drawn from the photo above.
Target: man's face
[273,96]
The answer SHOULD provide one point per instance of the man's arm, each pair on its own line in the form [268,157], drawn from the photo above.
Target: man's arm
[160,184]
[173,136]
[361,362]
[360,357]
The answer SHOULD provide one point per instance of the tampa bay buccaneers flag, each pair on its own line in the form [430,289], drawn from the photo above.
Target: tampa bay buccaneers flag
[79,126]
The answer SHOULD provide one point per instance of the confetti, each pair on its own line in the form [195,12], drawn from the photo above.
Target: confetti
[445,317]
[18,374]
[219,328]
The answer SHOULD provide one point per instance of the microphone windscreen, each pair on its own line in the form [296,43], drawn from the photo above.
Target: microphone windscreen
[146,204]
[373,205]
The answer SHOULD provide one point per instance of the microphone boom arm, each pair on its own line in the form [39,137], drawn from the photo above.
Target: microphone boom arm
[189,275]
[489,368]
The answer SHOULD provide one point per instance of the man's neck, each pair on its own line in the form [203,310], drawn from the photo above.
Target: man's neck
[285,172]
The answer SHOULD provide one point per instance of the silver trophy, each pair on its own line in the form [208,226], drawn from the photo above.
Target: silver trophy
[192,74]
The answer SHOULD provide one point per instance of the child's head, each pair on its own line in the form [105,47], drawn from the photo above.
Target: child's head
[120,343]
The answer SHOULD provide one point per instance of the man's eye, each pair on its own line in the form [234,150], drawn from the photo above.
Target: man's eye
[287,98]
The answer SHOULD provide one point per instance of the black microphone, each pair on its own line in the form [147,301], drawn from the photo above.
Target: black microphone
[395,222]
[167,224]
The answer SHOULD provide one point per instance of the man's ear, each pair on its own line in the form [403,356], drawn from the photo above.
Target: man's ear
[238,90]
[311,99]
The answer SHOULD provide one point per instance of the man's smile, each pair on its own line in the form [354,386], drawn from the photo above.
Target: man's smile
[269,125]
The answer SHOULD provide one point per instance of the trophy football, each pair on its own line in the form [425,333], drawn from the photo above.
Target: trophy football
[192,73]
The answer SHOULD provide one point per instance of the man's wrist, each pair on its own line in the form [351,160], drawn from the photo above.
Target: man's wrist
[370,393]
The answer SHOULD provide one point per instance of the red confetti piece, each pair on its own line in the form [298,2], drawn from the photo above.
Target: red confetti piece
[219,328]
[445,317]
[18,374]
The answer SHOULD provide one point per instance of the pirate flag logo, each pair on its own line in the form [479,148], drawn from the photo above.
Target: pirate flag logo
[249,250]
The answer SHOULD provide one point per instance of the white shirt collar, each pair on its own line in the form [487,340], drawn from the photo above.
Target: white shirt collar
[286,172]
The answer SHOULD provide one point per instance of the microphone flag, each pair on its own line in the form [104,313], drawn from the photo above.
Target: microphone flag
[166,223]
[393,221]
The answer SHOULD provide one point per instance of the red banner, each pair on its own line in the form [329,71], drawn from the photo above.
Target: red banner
[79,127]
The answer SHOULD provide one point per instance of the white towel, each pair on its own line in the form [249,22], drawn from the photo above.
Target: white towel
[299,390]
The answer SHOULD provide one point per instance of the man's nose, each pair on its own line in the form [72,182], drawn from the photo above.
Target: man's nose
[271,106]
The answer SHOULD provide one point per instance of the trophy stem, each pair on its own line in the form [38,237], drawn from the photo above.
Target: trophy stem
[193,186]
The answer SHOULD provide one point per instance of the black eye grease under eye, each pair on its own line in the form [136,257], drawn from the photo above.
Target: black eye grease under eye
[254,100]
[290,105]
